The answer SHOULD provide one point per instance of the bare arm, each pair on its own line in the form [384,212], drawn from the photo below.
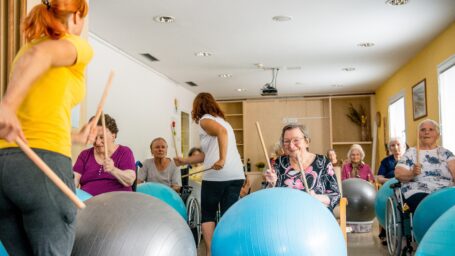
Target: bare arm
[212,128]
[77,179]
[125,177]
[404,175]
[451,165]
[27,69]
[195,159]
[382,179]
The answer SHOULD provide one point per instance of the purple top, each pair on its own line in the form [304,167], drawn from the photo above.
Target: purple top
[364,172]
[93,178]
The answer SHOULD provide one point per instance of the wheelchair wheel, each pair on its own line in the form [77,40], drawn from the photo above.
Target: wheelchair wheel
[393,223]
[194,218]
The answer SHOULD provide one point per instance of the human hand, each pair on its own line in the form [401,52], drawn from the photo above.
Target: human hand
[271,177]
[86,135]
[417,169]
[218,165]
[108,165]
[10,127]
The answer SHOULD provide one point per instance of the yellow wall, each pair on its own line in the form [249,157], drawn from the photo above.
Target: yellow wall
[423,66]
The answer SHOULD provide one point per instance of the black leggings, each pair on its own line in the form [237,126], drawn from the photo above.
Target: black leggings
[224,193]
[414,200]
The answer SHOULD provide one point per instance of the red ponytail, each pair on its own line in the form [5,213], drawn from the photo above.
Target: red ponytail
[51,20]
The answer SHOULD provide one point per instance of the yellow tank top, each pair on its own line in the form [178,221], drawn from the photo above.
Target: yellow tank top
[45,113]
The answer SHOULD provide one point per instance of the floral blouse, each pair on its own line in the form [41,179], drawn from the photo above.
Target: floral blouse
[320,177]
[435,172]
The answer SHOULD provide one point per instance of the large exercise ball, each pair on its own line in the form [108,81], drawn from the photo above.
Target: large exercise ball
[278,221]
[381,200]
[2,250]
[164,193]
[82,195]
[128,223]
[430,209]
[440,238]
[361,196]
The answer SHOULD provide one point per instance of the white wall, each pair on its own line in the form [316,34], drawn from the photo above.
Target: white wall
[141,100]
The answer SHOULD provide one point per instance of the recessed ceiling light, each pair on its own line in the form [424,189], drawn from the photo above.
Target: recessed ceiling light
[203,54]
[337,85]
[366,44]
[164,19]
[396,2]
[259,65]
[281,18]
[241,90]
[299,83]
[225,75]
[348,69]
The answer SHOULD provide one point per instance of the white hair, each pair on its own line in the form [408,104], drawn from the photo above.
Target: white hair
[356,147]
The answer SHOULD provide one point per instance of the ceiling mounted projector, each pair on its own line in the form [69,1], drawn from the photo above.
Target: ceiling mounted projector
[269,89]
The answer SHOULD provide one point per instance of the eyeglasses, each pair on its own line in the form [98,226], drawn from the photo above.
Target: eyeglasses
[293,141]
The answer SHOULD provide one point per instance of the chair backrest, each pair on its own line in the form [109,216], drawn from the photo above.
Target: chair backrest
[255,179]
[337,170]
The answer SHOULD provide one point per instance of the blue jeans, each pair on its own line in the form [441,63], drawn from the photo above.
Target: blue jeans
[36,218]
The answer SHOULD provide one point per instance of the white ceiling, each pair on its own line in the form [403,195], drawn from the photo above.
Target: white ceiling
[311,50]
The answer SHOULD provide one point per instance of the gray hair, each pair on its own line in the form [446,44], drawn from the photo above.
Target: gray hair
[431,121]
[356,147]
[394,139]
[295,126]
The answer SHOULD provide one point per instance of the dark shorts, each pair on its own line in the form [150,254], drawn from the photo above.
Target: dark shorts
[36,218]
[414,200]
[222,193]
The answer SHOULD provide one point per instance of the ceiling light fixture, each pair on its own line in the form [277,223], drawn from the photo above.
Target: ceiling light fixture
[164,19]
[281,18]
[203,54]
[225,75]
[241,90]
[337,85]
[348,69]
[396,2]
[366,44]
[259,65]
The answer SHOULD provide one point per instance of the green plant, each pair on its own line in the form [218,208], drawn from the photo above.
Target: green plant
[358,117]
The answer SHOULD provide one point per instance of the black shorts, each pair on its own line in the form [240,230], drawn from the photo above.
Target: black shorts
[222,193]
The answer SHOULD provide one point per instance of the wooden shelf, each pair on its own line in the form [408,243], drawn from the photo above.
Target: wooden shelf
[353,142]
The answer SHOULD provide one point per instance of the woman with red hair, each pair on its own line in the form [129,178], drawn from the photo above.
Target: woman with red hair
[46,81]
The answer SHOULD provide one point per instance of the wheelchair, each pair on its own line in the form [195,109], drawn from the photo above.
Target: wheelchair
[191,198]
[398,224]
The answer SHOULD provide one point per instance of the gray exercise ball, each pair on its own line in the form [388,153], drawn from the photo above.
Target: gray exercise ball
[128,223]
[361,196]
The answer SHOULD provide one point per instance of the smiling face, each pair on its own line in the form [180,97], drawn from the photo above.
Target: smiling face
[355,157]
[294,141]
[159,149]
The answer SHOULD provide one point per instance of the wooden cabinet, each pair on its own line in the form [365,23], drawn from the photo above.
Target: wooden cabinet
[233,112]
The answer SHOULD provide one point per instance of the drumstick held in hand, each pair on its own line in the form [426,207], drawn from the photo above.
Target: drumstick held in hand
[174,134]
[49,173]
[189,174]
[103,98]
[418,147]
[302,172]
[264,149]
[103,122]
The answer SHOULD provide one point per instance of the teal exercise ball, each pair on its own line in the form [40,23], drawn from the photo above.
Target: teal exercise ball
[381,200]
[430,209]
[165,194]
[440,238]
[2,250]
[82,195]
[278,221]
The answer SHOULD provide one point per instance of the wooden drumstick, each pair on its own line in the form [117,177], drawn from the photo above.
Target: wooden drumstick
[189,174]
[103,122]
[302,172]
[264,149]
[418,147]
[49,173]
[103,98]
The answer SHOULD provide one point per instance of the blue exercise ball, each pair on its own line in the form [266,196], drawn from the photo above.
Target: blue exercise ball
[381,200]
[430,209]
[165,194]
[440,238]
[278,221]
[361,196]
[3,250]
[126,223]
[82,195]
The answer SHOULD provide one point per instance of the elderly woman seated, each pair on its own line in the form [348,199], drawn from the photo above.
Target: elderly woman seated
[319,173]
[160,168]
[426,167]
[355,167]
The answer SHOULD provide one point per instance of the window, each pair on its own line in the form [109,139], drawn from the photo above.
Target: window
[447,103]
[397,123]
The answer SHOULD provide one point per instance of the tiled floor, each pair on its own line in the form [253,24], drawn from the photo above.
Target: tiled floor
[359,244]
